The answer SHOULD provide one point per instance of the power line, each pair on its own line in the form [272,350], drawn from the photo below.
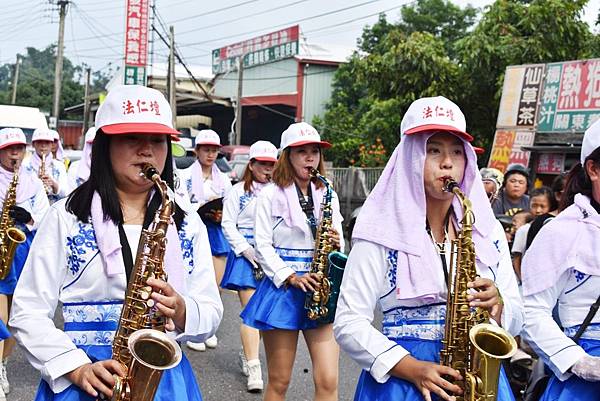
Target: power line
[213,11]
[284,24]
[243,17]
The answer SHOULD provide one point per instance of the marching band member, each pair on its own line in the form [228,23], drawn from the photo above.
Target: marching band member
[85,250]
[400,258]
[205,182]
[241,272]
[58,152]
[286,221]
[79,170]
[30,206]
[52,172]
[562,267]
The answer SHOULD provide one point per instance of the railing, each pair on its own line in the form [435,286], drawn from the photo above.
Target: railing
[353,185]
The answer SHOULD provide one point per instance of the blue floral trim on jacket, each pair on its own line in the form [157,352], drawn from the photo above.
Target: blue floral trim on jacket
[187,247]
[393,261]
[245,199]
[81,247]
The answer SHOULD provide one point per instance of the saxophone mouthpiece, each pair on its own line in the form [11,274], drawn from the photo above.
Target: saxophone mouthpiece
[149,171]
[449,184]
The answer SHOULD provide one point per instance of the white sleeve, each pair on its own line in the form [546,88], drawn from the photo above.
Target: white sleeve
[204,309]
[63,183]
[360,290]
[231,212]
[226,183]
[40,206]
[337,221]
[48,349]
[72,175]
[273,266]
[557,350]
[520,241]
[506,281]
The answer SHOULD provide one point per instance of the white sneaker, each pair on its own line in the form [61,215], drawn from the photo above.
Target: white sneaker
[201,347]
[255,383]
[4,378]
[211,342]
[2,395]
[244,363]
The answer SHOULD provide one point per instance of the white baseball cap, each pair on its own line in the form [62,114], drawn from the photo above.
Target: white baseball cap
[434,114]
[44,134]
[12,136]
[207,137]
[299,134]
[591,141]
[90,135]
[135,109]
[263,151]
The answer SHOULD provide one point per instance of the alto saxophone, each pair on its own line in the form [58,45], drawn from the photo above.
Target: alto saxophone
[10,236]
[471,344]
[327,264]
[140,343]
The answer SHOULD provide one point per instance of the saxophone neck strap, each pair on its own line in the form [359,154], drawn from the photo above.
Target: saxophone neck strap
[440,247]
[588,319]
[308,207]
[126,252]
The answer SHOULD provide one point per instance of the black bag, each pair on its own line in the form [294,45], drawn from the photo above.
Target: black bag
[538,381]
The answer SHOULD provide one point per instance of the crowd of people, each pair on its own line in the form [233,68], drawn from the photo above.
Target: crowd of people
[535,260]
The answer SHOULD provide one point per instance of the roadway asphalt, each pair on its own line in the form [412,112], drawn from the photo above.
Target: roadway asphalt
[216,370]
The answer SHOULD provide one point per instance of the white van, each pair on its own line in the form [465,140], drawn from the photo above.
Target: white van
[26,118]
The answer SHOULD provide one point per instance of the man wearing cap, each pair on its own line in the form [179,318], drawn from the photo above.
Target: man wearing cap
[79,170]
[242,273]
[86,253]
[513,196]
[31,204]
[400,258]
[205,182]
[51,171]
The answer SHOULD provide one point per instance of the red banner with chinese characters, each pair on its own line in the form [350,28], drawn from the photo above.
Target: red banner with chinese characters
[550,163]
[507,148]
[136,41]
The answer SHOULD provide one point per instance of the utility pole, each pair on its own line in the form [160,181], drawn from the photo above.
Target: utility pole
[86,100]
[15,81]
[59,58]
[171,83]
[238,108]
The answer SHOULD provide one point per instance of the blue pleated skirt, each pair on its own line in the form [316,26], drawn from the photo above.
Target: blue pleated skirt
[177,384]
[575,389]
[396,389]
[238,274]
[7,286]
[218,243]
[4,333]
[277,308]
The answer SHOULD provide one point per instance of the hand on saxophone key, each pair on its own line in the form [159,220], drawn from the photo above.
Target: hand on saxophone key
[428,377]
[169,303]
[335,238]
[486,296]
[306,282]
[97,377]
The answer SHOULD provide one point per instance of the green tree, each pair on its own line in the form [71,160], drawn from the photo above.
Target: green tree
[513,33]
[36,80]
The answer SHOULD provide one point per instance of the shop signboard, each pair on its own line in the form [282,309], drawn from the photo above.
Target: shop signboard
[570,100]
[520,96]
[507,148]
[550,163]
[262,49]
[136,42]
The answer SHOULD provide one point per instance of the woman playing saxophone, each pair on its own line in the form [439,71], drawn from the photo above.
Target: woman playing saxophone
[85,255]
[401,256]
[287,214]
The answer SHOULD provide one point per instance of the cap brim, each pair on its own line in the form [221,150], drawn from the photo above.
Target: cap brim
[439,127]
[140,128]
[478,150]
[322,144]
[12,143]
[265,159]
[209,144]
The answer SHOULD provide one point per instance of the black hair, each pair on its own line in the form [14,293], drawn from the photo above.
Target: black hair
[558,184]
[102,180]
[578,181]
[547,192]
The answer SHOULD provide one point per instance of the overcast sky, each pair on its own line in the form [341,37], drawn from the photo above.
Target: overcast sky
[94,28]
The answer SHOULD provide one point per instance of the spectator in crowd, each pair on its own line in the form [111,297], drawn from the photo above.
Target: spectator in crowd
[513,198]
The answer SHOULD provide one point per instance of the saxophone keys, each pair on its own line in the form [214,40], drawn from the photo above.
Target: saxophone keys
[150,303]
